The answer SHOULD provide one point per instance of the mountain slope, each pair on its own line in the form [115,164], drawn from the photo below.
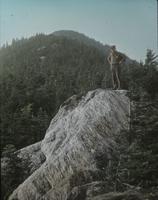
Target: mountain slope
[37,75]
[82,38]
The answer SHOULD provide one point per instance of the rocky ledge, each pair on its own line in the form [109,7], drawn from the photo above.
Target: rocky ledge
[73,159]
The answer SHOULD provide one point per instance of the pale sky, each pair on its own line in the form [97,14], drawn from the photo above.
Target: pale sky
[129,24]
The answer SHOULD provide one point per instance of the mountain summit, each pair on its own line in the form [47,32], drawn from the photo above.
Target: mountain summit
[74,35]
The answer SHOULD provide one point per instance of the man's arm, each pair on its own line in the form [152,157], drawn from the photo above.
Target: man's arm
[121,58]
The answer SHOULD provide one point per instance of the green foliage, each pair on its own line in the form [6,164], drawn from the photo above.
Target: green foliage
[142,77]
[143,164]
[151,58]
[138,149]
[10,171]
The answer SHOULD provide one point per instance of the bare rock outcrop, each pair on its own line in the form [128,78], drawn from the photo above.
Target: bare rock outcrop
[31,158]
[83,131]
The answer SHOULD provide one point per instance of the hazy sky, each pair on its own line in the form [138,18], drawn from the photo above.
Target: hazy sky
[129,24]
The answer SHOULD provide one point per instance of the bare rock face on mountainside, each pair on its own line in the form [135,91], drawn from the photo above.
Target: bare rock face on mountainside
[74,158]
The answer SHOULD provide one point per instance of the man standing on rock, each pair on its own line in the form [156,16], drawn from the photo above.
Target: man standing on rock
[115,59]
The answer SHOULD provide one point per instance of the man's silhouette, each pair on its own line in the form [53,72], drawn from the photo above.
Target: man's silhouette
[115,59]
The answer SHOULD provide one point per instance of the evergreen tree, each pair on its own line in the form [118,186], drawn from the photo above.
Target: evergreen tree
[11,172]
[151,58]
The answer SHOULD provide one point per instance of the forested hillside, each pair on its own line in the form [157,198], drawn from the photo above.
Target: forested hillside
[38,74]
